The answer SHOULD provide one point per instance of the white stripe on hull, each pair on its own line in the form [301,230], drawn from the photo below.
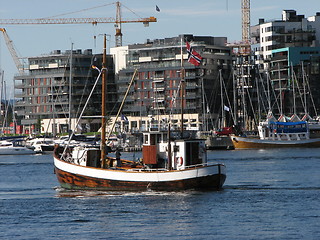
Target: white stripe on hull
[143,176]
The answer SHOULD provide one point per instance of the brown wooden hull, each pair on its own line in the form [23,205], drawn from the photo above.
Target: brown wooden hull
[241,142]
[75,181]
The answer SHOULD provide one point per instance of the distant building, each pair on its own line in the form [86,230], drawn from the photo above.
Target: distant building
[156,89]
[286,51]
[291,31]
[44,91]
[297,68]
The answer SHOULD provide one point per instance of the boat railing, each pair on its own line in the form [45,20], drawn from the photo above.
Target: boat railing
[164,169]
[148,170]
[196,165]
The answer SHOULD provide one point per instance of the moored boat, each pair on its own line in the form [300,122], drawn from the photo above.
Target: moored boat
[278,134]
[41,145]
[14,147]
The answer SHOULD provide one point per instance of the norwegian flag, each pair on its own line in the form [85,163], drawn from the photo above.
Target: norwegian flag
[193,57]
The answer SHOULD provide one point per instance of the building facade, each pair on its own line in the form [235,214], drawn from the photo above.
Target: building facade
[291,31]
[162,65]
[286,52]
[56,87]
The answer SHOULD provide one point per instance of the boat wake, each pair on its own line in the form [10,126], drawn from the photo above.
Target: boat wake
[64,193]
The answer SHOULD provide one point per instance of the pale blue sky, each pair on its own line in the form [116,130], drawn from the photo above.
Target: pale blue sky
[198,17]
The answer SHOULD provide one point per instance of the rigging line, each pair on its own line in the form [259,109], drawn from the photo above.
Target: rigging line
[174,98]
[265,94]
[306,82]
[262,102]
[82,10]
[229,103]
[206,102]
[311,97]
[295,80]
[251,104]
[86,85]
[274,95]
[277,98]
[84,108]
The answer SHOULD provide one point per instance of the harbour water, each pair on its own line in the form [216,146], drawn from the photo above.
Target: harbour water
[268,194]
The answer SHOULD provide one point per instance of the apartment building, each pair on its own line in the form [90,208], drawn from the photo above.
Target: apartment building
[291,31]
[159,63]
[54,89]
[284,51]
[294,71]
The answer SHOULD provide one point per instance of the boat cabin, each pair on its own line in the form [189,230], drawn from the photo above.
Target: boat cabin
[284,130]
[180,154]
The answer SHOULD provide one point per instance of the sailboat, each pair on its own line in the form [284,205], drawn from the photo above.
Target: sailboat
[169,162]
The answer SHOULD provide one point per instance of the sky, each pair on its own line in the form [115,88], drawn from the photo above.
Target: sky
[218,18]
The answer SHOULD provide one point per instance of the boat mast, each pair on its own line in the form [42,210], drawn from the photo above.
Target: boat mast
[182,75]
[222,102]
[70,87]
[235,108]
[304,90]
[280,86]
[293,91]
[103,105]
[169,148]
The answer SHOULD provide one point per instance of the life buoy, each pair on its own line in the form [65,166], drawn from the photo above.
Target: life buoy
[179,161]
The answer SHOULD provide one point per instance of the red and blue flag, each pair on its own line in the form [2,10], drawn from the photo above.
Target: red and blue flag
[193,57]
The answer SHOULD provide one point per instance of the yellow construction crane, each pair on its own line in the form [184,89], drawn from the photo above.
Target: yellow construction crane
[12,50]
[117,21]
[245,9]
[243,47]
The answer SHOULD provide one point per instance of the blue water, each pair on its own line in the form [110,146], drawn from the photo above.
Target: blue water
[268,194]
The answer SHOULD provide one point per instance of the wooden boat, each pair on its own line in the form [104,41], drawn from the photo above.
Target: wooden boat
[168,164]
[278,134]
[14,147]
[185,166]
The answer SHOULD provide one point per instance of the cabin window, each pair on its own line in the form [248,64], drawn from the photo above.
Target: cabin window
[152,139]
[146,139]
[192,154]
[176,149]
[158,138]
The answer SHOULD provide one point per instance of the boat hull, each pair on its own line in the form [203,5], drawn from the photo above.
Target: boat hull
[246,142]
[72,176]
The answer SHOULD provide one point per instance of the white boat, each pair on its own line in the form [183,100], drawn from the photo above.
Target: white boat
[278,134]
[14,147]
[41,145]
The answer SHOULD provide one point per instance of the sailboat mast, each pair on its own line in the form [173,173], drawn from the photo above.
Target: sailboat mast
[182,88]
[103,104]
[304,90]
[293,91]
[70,87]
[222,102]
[280,85]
